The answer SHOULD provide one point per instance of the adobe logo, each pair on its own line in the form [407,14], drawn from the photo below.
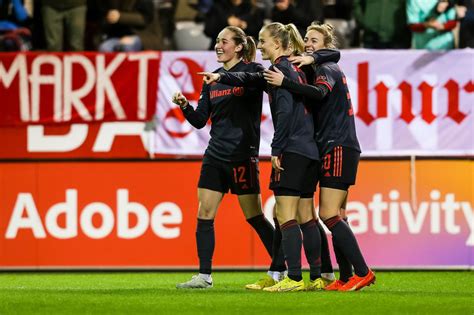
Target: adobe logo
[163,220]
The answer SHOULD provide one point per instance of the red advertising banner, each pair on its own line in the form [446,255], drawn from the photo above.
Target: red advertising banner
[143,215]
[92,105]
[75,141]
[44,88]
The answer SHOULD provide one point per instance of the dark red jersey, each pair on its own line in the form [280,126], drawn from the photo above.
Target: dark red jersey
[292,121]
[333,113]
[335,124]
[235,114]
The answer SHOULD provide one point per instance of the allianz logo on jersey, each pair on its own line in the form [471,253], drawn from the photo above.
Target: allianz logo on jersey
[382,215]
[236,91]
[164,219]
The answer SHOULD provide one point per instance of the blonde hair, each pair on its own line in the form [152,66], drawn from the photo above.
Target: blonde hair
[249,49]
[327,30]
[288,35]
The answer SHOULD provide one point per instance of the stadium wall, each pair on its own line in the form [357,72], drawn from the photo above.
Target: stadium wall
[85,182]
[137,214]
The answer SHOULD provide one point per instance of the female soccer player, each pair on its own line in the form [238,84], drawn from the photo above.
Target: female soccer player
[231,158]
[294,152]
[340,151]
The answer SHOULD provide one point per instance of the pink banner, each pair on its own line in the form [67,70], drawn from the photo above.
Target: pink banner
[406,102]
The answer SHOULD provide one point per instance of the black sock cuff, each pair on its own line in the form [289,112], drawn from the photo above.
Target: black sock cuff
[289,224]
[277,225]
[308,224]
[331,222]
[256,220]
[205,224]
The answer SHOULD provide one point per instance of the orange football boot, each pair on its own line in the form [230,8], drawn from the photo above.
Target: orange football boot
[335,286]
[356,283]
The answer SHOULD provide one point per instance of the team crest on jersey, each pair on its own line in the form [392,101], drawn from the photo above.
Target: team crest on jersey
[238,91]
[321,78]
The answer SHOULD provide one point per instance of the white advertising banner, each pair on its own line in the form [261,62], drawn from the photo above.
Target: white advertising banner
[406,102]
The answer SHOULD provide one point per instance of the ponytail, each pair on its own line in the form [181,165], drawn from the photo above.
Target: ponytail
[288,35]
[249,50]
[296,42]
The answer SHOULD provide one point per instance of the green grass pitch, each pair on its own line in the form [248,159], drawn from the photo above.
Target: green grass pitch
[154,293]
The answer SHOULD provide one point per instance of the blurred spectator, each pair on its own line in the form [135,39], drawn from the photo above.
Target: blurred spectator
[202,7]
[241,13]
[15,20]
[93,25]
[299,12]
[166,18]
[338,9]
[130,25]
[432,22]
[266,6]
[383,23]
[465,13]
[67,16]
[338,13]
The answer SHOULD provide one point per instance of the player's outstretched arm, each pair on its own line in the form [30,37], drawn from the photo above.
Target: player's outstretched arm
[210,77]
[274,77]
[300,61]
[318,57]
[277,78]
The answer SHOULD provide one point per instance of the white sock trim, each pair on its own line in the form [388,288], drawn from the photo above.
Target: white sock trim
[329,276]
[206,277]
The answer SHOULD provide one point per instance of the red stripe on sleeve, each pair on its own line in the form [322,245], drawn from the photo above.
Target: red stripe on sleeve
[450,25]
[324,83]
[417,27]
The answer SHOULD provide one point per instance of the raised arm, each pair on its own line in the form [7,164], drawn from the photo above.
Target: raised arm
[321,88]
[316,93]
[197,117]
[318,57]
[254,79]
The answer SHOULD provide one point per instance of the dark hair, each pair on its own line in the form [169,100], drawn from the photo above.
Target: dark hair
[249,49]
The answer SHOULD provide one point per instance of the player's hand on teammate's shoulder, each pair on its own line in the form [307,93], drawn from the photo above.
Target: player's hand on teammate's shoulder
[300,61]
[210,77]
[274,77]
[180,100]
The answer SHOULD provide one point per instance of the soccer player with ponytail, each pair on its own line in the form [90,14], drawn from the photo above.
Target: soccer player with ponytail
[294,156]
[340,151]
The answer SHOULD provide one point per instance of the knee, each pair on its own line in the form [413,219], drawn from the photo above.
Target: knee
[283,218]
[206,211]
[325,214]
[305,215]
[249,214]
